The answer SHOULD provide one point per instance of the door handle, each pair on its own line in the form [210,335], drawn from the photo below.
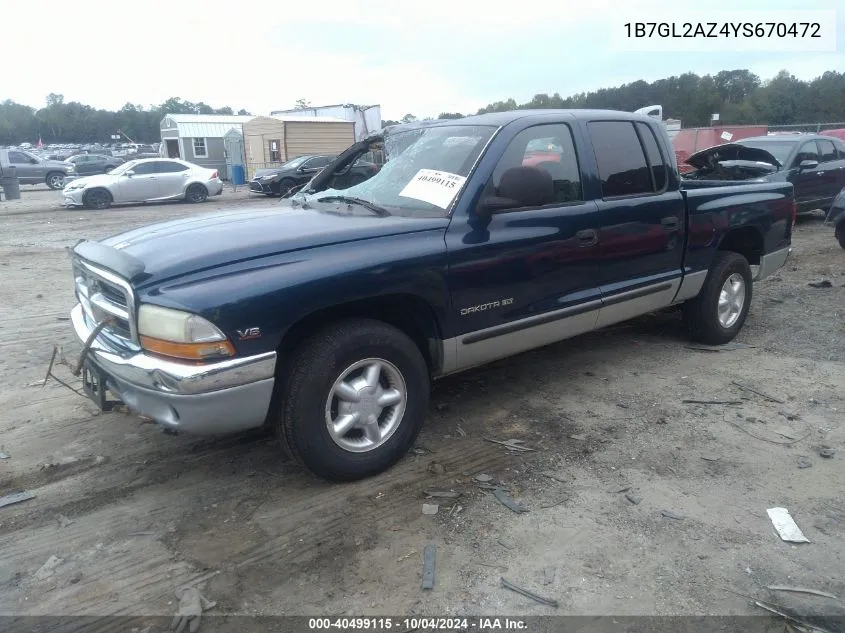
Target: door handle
[670,223]
[587,237]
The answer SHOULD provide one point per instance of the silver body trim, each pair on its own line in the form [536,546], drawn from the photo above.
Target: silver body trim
[771,263]
[691,285]
[99,300]
[223,397]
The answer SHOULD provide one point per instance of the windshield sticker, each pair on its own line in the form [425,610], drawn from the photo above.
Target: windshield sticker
[435,187]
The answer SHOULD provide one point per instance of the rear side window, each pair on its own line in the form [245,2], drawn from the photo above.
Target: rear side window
[654,156]
[622,163]
[827,151]
[169,167]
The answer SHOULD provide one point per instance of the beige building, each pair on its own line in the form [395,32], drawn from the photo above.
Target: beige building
[270,141]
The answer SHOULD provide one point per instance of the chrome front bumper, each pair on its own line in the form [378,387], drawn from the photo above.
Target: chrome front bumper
[772,262]
[217,398]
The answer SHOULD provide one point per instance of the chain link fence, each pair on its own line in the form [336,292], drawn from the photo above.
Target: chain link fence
[804,128]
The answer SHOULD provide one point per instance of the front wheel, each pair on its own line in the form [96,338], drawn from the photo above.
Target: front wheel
[55,180]
[98,199]
[196,194]
[719,311]
[354,399]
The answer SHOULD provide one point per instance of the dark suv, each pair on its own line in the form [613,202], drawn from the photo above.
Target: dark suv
[297,172]
[89,164]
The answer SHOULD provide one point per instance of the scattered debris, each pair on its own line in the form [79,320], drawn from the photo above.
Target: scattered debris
[671,515]
[505,500]
[191,605]
[419,450]
[759,393]
[728,347]
[622,489]
[766,439]
[813,592]
[62,318]
[786,527]
[514,445]
[442,494]
[483,478]
[820,284]
[460,431]
[710,457]
[711,401]
[64,521]
[4,455]
[826,451]
[506,543]
[633,498]
[785,432]
[548,575]
[528,594]
[436,468]
[140,533]
[804,462]
[622,405]
[553,476]
[581,437]
[49,568]
[15,497]
[441,406]
[430,509]
[429,555]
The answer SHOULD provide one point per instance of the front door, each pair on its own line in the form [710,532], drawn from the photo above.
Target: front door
[528,277]
[641,218]
[28,166]
[172,148]
[141,185]
[831,171]
[808,181]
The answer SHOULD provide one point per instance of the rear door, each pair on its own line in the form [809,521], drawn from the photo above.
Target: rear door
[83,165]
[141,185]
[529,276]
[642,217]
[172,178]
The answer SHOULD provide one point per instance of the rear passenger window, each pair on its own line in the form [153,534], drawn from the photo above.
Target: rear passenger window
[550,148]
[827,151]
[621,160]
[654,156]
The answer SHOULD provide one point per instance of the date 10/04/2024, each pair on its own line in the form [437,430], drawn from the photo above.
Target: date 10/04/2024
[417,624]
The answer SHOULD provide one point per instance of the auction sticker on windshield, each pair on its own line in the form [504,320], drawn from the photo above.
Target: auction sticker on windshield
[435,187]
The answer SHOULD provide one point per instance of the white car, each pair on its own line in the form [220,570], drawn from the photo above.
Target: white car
[144,180]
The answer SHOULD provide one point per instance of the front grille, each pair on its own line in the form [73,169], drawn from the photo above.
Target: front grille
[103,294]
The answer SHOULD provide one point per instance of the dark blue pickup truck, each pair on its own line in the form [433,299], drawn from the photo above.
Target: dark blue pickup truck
[327,316]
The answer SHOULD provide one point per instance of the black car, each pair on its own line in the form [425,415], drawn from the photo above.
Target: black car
[836,216]
[813,163]
[279,181]
[88,164]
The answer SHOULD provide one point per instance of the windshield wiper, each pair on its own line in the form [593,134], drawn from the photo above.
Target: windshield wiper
[380,211]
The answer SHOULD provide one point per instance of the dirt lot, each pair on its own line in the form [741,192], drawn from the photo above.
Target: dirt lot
[132,513]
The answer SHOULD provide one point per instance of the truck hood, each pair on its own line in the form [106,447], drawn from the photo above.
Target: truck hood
[192,245]
[730,151]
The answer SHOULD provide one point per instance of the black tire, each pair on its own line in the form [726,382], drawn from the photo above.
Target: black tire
[840,233]
[315,366]
[196,193]
[98,199]
[701,314]
[55,180]
[285,185]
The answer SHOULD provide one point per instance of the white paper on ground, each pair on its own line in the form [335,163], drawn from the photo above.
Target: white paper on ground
[435,187]
[786,527]
[727,135]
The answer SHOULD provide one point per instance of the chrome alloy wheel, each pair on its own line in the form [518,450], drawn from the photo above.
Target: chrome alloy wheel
[731,300]
[365,405]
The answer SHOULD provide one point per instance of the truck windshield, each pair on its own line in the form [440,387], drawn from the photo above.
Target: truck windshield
[424,171]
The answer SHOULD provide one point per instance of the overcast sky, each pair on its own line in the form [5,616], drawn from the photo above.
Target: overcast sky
[419,58]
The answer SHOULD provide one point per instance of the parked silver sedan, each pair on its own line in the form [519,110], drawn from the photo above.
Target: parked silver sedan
[144,180]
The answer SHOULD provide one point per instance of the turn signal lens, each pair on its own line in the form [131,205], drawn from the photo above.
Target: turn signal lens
[188,351]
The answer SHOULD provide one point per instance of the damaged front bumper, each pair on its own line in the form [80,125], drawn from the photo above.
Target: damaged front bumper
[217,398]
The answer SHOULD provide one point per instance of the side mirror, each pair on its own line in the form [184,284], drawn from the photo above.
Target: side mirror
[129,173]
[520,187]
[808,164]
[490,205]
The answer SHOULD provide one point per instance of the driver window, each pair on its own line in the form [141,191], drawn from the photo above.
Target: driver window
[808,151]
[550,148]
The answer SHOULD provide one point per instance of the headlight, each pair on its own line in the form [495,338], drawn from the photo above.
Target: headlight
[181,334]
[75,185]
[268,176]
[70,169]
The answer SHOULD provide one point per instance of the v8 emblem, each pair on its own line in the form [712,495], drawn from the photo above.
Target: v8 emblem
[251,332]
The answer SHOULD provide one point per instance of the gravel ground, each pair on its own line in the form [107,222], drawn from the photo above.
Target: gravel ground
[640,503]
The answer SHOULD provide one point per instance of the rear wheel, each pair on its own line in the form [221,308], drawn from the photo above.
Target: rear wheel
[196,193]
[719,311]
[354,400]
[98,199]
[55,180]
